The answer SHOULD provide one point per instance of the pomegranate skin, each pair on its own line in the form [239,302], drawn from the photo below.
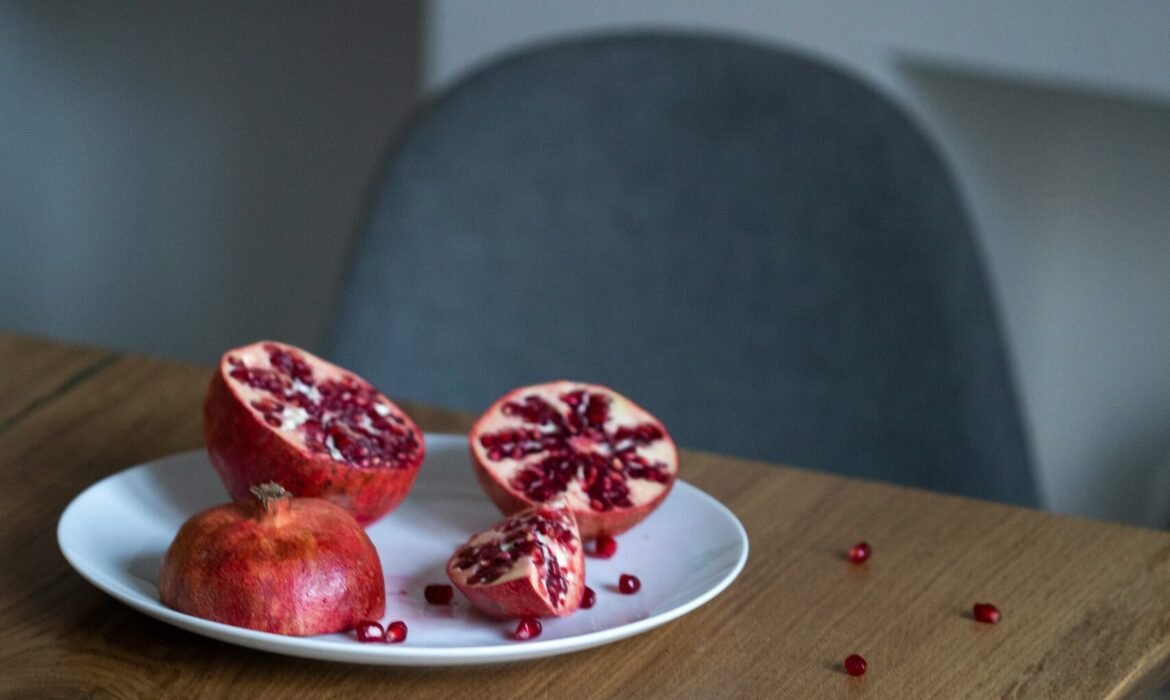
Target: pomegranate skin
[521,590]
[298,566]
[245,451]
[591,522]
[516,598]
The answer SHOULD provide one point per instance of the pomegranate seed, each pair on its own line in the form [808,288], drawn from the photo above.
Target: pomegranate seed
[439,594]
[588,598]
[396,632]
[629,583]
[369,631]
[528,628]
[604,547]
[986,612]
[855,665]
[859,552]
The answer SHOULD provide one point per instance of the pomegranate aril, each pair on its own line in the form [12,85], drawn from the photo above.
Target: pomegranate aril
[528,628]
[597,410]
[396,632]
[588,598]
[604,547]
[369,631]
[629,584]
[439,594]
[855,665]
[860,552]
[986,612]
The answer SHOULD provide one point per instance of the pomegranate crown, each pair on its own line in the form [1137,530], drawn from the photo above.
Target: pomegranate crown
[269,494]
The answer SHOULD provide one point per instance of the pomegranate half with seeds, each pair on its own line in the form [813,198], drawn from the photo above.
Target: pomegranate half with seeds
[608,458]
[274,412]
[531,564]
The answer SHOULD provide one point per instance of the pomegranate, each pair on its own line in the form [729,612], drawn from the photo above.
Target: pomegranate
[277,413]
[531,564]
[612,461]
[295,566]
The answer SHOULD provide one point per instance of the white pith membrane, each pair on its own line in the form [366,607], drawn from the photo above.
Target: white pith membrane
[622,413]
[367,419]
[525,566]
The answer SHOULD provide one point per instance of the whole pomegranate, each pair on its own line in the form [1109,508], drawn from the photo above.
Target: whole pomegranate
[610,460]
[295,566]
[528,565]
[274,412]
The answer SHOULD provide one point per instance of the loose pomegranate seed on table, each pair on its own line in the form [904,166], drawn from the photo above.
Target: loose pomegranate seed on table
[369,631]
[588,598]
[528,628]
[859,553]
[628,583]
[604,547]
[396,632]
[986,612]
[855,665]
[439,594]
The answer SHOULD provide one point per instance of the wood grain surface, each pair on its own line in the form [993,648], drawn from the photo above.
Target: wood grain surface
[1086,605]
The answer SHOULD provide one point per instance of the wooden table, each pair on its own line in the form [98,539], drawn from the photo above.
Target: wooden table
[1086,605]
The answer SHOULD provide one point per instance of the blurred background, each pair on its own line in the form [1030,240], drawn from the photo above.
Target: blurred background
[179,179]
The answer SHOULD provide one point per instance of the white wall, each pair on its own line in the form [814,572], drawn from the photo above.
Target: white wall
[1055,115]
[1073,194]
[176,178]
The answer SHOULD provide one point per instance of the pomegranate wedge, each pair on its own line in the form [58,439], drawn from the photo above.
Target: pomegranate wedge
[531,564]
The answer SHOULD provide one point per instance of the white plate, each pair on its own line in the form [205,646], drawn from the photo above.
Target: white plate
[685,553]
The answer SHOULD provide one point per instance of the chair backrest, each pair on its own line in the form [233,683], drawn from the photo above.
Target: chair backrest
[758,248]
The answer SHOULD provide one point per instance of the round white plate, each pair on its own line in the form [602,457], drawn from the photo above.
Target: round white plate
[691,548]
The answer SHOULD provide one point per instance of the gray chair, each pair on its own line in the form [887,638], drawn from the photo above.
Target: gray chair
[757,247]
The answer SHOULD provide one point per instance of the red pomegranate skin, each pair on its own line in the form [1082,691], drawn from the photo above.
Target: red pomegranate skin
[592,522]
[245,451]
[298,566]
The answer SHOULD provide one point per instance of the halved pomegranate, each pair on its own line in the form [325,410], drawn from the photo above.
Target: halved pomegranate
[611,460]
[295,566]
[277,413]
[531,564]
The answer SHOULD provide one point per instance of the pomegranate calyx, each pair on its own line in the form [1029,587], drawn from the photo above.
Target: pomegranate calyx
[272,497]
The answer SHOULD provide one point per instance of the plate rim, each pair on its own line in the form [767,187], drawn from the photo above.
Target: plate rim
[329,650]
